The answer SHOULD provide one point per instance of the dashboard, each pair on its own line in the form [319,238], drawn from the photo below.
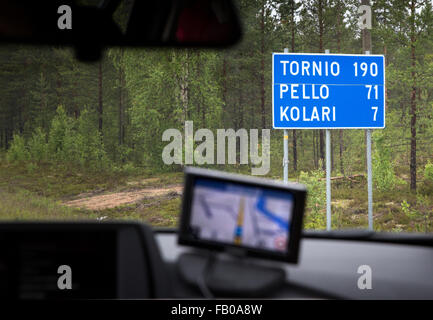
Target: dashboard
[131,261]
[329,269]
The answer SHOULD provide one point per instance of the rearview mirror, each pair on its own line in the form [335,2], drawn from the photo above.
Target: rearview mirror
[90,28]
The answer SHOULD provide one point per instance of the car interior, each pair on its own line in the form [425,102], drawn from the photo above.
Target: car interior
[237,236]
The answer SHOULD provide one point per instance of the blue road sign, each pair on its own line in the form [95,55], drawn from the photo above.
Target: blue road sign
[328,91]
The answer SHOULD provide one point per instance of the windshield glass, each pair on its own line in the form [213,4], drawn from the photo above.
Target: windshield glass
[109,140]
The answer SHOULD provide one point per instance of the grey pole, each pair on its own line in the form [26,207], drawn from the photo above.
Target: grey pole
[328,179]
[369,178]
[286,148]
[369,182]
[328,175]
[286,156]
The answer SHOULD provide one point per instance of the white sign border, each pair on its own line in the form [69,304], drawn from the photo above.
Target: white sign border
[329,54]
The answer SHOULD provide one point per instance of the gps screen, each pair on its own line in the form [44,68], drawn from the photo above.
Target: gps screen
[241,215]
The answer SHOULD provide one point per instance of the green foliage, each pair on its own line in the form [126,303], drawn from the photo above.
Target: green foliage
[59,132]
[426,212]
[89,143]
[428,171]
[316,199]
[127,168]
[37,145]
[407,210]
[73,141]
[426,187]
[31,167]
[420,216]
[18,151]
[384,176]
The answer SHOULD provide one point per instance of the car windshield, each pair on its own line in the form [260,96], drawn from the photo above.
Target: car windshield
[109,140]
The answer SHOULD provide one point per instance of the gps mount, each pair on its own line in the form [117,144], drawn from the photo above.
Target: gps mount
[229,276]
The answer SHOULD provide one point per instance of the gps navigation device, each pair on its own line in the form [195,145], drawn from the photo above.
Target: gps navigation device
[223,211]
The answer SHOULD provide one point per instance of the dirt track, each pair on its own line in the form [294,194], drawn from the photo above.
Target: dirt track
[112,200]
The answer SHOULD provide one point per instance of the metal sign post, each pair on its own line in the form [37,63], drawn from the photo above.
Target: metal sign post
[328,179]
[328,176]
[286,148]
[369,182]
[286,156]
[369,177]
[328,91]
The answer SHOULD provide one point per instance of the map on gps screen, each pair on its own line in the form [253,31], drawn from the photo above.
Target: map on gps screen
[241,215]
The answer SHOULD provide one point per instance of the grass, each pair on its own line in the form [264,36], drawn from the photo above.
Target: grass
[160,212]
[349,208]
[37,192]
[54,182]
[24,205]
[63,182]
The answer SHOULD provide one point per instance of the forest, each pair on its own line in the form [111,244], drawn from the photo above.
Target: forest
[84,140]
